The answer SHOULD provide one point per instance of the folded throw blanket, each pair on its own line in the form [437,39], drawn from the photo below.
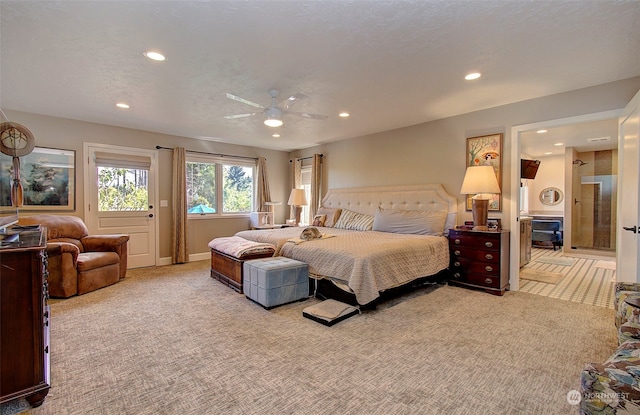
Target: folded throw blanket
[298,241]
[238,247]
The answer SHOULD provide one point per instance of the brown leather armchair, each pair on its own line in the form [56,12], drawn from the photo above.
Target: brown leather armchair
[79,262]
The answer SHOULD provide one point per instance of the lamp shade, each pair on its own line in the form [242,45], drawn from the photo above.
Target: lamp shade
[297,198]
[480,179]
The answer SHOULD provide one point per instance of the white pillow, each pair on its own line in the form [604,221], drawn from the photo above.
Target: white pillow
[354,221]
[410,221]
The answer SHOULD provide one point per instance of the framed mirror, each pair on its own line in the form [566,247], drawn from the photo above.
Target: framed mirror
[551,196]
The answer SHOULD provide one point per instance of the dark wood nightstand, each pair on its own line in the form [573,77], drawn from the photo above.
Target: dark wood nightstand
[480,259]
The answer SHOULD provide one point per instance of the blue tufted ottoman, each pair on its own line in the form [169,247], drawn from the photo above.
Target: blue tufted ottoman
[275,281]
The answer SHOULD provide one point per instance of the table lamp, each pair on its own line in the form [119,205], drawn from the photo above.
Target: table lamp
[297,199]
[480,180]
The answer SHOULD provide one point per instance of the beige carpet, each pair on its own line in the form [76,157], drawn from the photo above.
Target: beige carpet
[548,277]
[172,340]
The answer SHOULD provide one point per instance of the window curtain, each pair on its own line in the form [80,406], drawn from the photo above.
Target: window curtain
[264,195]
[296,179]
[316,186]
[179,252]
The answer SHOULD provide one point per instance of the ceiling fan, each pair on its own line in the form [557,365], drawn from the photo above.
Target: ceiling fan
[274,113]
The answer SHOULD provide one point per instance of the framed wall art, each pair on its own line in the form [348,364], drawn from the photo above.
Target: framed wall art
[47,176]
[486,150]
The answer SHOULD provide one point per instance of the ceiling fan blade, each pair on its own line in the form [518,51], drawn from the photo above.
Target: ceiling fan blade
[233,117]
[308,115]
[285,104]
[244,101]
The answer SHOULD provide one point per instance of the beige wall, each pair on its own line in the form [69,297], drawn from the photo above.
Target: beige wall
[424,153]
[70,135]
[435,151]
[550,174]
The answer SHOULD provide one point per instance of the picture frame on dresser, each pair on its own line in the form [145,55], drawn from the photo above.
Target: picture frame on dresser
[486,150]
[494,224]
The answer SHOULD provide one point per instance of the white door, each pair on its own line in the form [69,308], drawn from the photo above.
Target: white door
[120,198]
[628,252]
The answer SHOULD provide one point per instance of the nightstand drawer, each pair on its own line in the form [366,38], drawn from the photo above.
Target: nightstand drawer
[474,254]
[484,280]
[462,275]
[474,267]
[481,241]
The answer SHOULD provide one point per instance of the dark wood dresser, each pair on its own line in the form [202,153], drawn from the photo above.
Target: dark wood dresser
[480,259]
[24,319]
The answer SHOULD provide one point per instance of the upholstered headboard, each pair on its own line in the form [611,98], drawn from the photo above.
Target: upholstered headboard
[426,197]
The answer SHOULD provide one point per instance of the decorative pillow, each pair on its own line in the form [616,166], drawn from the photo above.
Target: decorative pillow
[332,215]
[318,220]
[354,221]
[410,221]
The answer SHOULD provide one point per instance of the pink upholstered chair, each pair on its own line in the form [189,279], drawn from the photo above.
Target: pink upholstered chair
[78,262]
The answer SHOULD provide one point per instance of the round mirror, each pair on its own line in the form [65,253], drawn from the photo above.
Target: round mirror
[551,196]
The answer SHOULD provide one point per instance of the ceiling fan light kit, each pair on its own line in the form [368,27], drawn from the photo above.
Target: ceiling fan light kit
[274,117]
[273,122]
[273,114]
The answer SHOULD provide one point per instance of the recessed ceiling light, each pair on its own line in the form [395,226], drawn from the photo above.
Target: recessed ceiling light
[344,114]
[547,153]
[541,131]
[152,54]
[472,76]
[558,144]
[276,135]
[122,105]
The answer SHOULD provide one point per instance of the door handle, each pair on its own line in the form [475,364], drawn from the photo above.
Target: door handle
[633,229]
[150,215]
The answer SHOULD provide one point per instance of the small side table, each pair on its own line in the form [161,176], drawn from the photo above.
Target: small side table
[633,301]
[480,259]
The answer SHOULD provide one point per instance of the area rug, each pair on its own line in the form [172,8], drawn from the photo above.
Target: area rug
[605,264]
[556,260]
[540,275]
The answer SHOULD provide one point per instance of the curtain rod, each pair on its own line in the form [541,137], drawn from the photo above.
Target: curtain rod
[305,158]
[210,154]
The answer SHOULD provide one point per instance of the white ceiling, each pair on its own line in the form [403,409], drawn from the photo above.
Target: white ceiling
[588,136]
[389,63]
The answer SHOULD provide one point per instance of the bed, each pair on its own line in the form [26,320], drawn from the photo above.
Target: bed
[368,263]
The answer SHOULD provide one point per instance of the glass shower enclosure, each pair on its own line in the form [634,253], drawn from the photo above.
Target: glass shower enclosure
[595,187]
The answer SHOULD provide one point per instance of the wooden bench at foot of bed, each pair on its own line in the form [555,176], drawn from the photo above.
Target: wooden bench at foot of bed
[228,255]
[228,269]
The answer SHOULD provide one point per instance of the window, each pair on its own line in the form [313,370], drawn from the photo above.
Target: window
[306,185]
[238,188]
[216,186]
[201,187]
[122,182]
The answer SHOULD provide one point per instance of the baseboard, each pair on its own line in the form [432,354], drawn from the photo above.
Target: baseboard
[164,261]
[200,257]
[193,257]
